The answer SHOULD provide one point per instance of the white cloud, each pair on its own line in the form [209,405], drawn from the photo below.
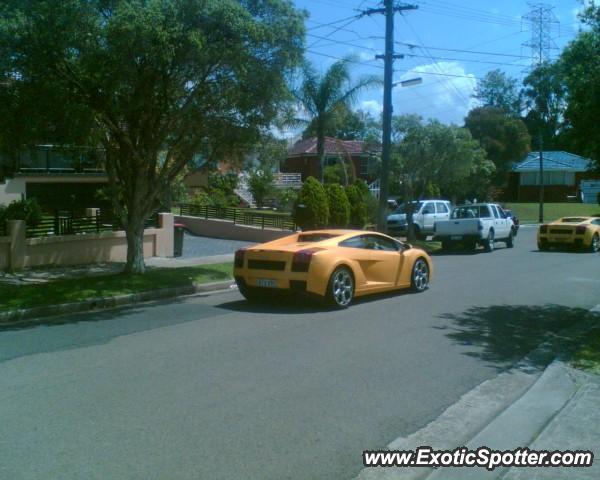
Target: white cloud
[446,97]
[372,106]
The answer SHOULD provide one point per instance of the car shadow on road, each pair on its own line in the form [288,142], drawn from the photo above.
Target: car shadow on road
[502,335]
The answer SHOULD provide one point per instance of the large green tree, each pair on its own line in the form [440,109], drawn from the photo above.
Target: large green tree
[347,124]
[504,137]
[322,96]
[154,81]
[581,68]
[545,96]
[499,90]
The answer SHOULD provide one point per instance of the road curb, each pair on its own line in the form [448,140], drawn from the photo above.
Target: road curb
[103,303]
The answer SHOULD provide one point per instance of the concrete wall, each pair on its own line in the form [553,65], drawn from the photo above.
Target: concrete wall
[13,189]
[225,229]
[17,251]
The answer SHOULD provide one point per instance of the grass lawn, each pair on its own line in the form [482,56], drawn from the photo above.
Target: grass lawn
[588,356]
[528,212]
[78,289]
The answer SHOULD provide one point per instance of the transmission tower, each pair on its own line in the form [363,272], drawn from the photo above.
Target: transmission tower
[544,25]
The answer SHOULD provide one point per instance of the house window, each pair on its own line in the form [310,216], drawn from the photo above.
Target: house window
[364,166]
[330,161]
[550,178]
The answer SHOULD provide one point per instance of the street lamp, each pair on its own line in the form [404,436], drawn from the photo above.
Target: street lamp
[385,160]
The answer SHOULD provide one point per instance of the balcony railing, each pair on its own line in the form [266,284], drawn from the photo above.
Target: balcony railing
[50,159]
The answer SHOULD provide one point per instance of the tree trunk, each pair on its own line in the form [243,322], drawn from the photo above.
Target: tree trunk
[135,250]
[321,156]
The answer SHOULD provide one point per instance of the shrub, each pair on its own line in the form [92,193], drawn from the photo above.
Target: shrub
[333,174]
[285,198]
[311,209]
[28,210]
[358,207]
[339,206]
[200,198]
[260,184]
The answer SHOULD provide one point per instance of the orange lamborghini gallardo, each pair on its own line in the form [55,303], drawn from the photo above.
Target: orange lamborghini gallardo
[336,265]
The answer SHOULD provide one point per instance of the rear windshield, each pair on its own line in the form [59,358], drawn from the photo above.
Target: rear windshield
[573,220]
[315,237]
[471,211]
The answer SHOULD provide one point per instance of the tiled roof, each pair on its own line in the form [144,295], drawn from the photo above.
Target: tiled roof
[333,146]
[553,160]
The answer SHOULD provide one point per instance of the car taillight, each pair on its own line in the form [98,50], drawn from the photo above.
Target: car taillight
[581,230]
[479,225]
[302,258]
[239,258]
[544,229]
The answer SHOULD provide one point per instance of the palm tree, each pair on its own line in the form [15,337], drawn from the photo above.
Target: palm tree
[322,95]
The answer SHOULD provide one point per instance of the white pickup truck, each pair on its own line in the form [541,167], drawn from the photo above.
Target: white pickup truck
[475,224]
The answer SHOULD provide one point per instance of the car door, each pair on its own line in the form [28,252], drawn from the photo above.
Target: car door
[442,212]
[501,227]
[428,215]
[386,261]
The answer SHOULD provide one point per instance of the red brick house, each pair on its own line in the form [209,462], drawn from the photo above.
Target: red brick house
[563,173]
[302,157]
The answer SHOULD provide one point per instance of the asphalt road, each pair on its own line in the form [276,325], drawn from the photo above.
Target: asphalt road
[211,388]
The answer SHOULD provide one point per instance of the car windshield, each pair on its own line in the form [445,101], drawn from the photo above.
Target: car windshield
[415,205]
[315,237]
[470,211]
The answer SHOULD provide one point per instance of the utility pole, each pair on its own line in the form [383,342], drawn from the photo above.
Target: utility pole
[542,20]
[386,141]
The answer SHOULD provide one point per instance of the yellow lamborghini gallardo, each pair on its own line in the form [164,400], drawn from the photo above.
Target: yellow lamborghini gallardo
[581,232]
[336,265]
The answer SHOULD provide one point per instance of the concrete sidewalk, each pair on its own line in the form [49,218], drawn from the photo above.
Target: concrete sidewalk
[557,410]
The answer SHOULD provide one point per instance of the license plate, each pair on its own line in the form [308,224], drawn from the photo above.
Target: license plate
[456,237]
[266,282]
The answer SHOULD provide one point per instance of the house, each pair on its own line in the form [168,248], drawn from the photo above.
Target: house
[563,173]
[59,178]
[302,157]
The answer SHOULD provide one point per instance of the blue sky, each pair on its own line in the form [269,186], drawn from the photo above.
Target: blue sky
[438,28]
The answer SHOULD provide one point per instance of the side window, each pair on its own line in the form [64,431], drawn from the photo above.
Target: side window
[596,222]
[484,212]
[441,207]
[354,242]
[375,242]
[502,213]
[428,208]
[495,211]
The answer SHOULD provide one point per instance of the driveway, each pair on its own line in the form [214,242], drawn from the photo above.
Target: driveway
[195,246]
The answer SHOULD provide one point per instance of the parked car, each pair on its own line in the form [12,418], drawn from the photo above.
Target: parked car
[514,218]
[581,232]
[335,265]
[475,224]
[425,214]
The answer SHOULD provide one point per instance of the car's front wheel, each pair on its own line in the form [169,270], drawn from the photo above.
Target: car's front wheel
[420,275]
[252,294]
[510,241]
[340,290]
[595,245]
[489,242]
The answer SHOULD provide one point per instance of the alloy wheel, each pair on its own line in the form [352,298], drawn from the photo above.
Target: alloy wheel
[420,279]
[342,287]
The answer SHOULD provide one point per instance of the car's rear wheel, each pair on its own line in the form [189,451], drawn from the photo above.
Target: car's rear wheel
[542,246]
[489,242]
[420,275]
[595,246]
[252,294]
[340,290]
[510,241]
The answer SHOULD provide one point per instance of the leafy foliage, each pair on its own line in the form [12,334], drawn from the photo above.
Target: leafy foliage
[348,125]
[28,210]
[260,184]
[358,207]
[155,82]
[500,91]
[504,137]
[311,209]
[581,68]
[339,206]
